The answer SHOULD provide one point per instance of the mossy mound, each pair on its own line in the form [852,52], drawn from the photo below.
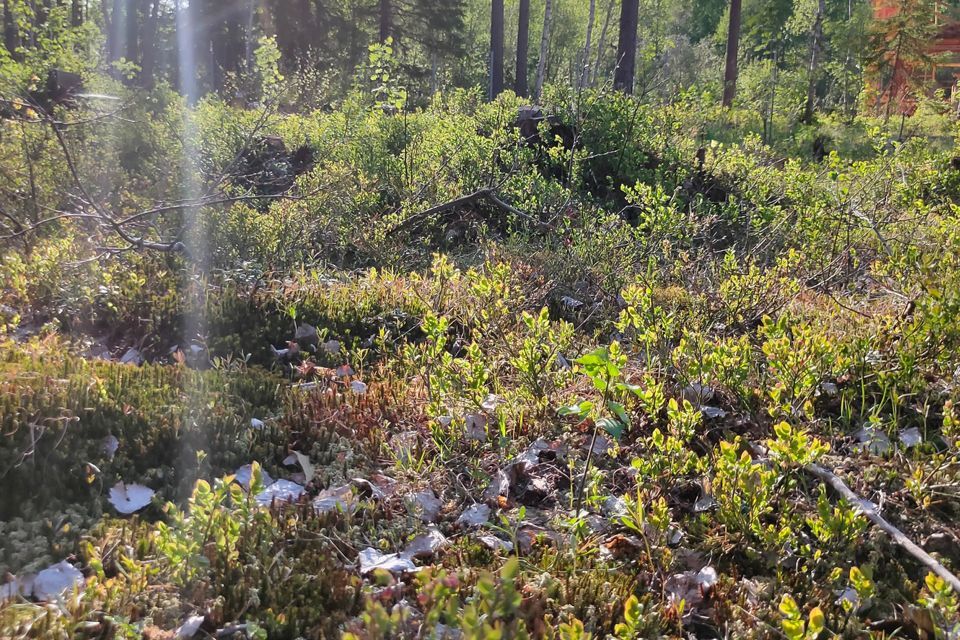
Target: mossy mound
[351,311]
[73,428]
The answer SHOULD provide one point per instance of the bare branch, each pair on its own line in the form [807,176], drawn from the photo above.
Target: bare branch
[88,207]
[870,511]
[486,194]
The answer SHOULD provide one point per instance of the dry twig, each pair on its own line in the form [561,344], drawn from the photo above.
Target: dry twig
[870,511]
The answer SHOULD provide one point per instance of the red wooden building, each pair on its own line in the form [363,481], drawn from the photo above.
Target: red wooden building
[946,49]
[944,72]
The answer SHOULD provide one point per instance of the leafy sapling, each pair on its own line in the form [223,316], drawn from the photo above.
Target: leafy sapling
[604,369]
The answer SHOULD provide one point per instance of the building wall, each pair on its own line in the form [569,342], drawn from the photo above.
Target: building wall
[946,48]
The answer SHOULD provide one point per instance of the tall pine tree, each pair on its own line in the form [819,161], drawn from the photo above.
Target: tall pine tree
[625,72]
[496,48]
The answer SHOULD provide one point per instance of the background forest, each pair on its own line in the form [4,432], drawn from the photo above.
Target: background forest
[464,319]
[445,44]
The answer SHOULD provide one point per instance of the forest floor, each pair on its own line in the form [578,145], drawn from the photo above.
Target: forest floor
[375,494]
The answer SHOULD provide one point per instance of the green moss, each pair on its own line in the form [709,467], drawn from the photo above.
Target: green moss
[57,410]
[237,320]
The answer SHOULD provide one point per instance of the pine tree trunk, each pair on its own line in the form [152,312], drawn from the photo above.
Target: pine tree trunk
[216,55]
[623,77]
[354,52]
[76,13]
[235,37]
[11,37]
[386,20]
[544,49]
[774,83]
[115,33]
[251,12]
[815,46]
[496,48]
[132,26]
[176,60]
[588,47]
[149,44]
[733,54]
[198,37]
[847,101]
[520,86]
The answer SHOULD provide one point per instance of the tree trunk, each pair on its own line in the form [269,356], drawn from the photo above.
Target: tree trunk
[216,53]
[774,82]
[520,85]
[107,28]
[627,46]
[386,20]
[149,44]
[847,101]
[733,54]
[11,37]
[235,37]
[353,46]
[115,33]
[815,46]
[196,37]
[544,49]
[496,48]
[132,25]
[225,42]
[76,13]
[588,47]
[176,60]
[248,42]
[602,43]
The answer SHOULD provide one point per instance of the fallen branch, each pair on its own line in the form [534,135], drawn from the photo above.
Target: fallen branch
[870,510]
[487,194]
